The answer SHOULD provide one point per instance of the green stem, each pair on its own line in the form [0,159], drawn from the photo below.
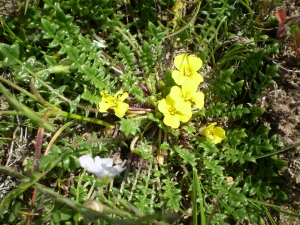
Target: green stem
[197,189]
[64,114]
[279,151]
[13,85]
[5,203]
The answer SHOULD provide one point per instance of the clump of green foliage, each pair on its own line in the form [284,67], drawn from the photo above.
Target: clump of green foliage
[173,176]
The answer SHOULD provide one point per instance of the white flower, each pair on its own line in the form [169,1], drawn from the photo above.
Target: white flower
[101,167]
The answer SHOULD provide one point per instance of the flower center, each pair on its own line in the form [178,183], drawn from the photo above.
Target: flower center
[172,111]
[186,97]
[187,73]
[115,102]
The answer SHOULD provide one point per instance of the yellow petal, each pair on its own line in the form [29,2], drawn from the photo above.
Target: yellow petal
[189,87]
[183,107]
[219,131]
[103,93]
[163,106]
[123,97]
[118,93]
[211,126]
[198,99]
[185,117]
[172,121]
[170,101]
[106,97]
[103,106]
[211,138]
[180,61]
[178,77]
[176,93]
[195,78]
[121,109]
[194,62]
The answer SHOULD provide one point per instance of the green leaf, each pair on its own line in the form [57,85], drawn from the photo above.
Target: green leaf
[48,28]
[89,72]
[9,54]
[50,60]
[86,43]
[235,137]
[256,112]
[242,214]
[94,99]
[172,194]
[155,32]
[174,202]
[72,53]
[148,59]
[164,146]
[208,146]
[237,198]
[215,110]
[129,126]
[189,129]
[212,164]
[188,158]
[144,150]
[126,54]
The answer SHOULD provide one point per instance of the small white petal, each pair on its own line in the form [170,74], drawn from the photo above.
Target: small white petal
[87,162]
[113,171]
[104,162]
[101,167]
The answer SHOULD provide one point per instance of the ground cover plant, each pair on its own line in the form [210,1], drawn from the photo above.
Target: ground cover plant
[139,112]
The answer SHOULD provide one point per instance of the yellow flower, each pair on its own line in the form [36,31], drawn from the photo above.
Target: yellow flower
[187,95]
[187,67]
[114,102]
[172,114]
[212,133]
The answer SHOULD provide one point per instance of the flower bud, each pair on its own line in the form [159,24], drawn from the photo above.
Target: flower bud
[161,85]
[94,205]
[152,99]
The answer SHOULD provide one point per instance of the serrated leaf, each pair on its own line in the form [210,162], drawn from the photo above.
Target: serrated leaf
[148,58]
[86,43]
[144,150]
[189,129]
[155,32]
[237,198]
[89,72]
[164,146]
[126,54]
[172,194]
[174,202]
[208,146]
[94,99]
[188,158]
[128,126]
